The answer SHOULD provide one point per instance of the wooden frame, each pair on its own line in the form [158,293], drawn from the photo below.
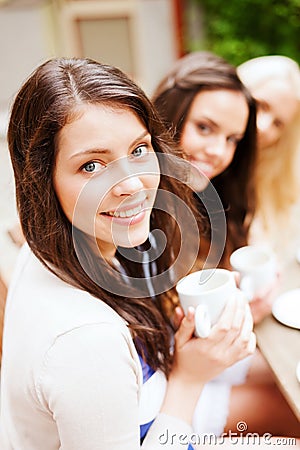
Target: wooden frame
[71,13]
[151,39]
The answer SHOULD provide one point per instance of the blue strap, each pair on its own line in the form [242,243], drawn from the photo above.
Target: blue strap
[147,373]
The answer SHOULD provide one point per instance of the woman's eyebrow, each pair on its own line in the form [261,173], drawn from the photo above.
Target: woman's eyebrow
[91,151]
[207,119]
[104,151]
[141,136]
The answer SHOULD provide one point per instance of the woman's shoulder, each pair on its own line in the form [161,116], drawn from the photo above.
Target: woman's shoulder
[56,305]
[45,316]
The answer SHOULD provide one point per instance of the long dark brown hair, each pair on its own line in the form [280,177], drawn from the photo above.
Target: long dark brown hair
[44,104]
[203,71]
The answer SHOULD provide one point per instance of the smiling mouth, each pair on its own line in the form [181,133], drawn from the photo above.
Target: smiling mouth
[125,214]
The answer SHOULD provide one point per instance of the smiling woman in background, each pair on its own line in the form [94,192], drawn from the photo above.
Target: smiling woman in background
[274,82]
[213,118]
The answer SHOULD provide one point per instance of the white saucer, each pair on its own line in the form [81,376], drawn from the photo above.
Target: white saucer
[286,308]
[298,371]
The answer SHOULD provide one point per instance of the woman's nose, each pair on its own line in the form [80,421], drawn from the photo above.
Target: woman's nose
[264,121]
[217,147]
[128,186]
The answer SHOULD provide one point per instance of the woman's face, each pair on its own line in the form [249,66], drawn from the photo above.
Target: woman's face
[106,176]
[215,123]
[277,106]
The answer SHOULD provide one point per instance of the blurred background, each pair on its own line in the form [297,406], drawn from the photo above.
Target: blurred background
[141,37]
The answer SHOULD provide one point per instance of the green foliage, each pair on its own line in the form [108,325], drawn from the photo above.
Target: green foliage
[242,29]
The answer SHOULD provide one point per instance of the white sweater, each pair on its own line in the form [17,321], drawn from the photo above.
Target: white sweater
[71,378]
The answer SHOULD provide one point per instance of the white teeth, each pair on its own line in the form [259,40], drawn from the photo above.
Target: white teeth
[128,213]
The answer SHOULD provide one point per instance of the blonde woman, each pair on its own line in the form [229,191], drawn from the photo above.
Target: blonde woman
[274,81]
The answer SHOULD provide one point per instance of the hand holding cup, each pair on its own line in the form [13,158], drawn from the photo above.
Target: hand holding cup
[257,268]
[207,291]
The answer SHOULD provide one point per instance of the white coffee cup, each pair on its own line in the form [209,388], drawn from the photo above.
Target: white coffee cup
[207,291]
[257,267]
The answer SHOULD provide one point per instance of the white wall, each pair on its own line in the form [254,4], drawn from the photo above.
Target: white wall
[156,34]
[25,41]
[138,36]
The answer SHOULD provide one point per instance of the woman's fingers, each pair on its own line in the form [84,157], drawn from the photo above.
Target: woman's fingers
[241,313]
[226,318]
[230,340]
[261,305]
[186,329]
[232,335]
[178,316]
[237,277]
[251,344]
[247,324]
[230,322]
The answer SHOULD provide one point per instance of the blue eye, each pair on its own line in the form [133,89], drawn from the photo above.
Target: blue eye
[139,151]
[92,167]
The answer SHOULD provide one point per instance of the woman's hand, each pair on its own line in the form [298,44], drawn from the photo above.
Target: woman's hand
[230,340]
[197,361]
[261,304]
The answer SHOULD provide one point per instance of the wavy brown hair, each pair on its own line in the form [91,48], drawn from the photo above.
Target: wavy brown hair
[204,71]
[44,104]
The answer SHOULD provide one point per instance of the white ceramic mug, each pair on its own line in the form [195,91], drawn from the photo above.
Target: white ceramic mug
[257,267]
[207,291]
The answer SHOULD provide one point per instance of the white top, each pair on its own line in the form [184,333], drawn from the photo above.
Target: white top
[71,378]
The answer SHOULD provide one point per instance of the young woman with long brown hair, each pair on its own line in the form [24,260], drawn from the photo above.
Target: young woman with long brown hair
[213,119]
[90,358]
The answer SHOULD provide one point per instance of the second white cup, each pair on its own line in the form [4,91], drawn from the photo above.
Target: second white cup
[257,267]
[207,291]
